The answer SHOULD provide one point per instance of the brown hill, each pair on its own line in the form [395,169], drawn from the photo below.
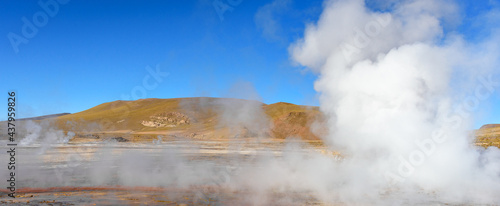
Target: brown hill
[194,118]
[42,117]
[488,135]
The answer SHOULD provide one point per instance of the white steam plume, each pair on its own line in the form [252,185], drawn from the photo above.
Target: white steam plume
[400,93]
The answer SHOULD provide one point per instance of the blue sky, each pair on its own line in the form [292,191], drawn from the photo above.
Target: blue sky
[92,52]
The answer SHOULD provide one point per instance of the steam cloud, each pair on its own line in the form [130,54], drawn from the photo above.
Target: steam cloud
[399,92]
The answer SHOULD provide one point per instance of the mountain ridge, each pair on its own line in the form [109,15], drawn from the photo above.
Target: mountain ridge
[196,117]
[205,118]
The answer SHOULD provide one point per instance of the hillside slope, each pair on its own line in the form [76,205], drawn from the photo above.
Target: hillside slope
[199,118]
[488,135]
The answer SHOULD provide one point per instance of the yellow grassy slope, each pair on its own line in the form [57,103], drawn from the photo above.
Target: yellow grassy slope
[488,135]
[127,116]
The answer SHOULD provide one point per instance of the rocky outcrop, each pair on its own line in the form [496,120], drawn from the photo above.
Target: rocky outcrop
[167,119]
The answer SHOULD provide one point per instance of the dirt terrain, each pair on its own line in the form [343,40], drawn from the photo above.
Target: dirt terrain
[66,174]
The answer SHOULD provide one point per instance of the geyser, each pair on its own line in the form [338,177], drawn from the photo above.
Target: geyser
[400,92]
